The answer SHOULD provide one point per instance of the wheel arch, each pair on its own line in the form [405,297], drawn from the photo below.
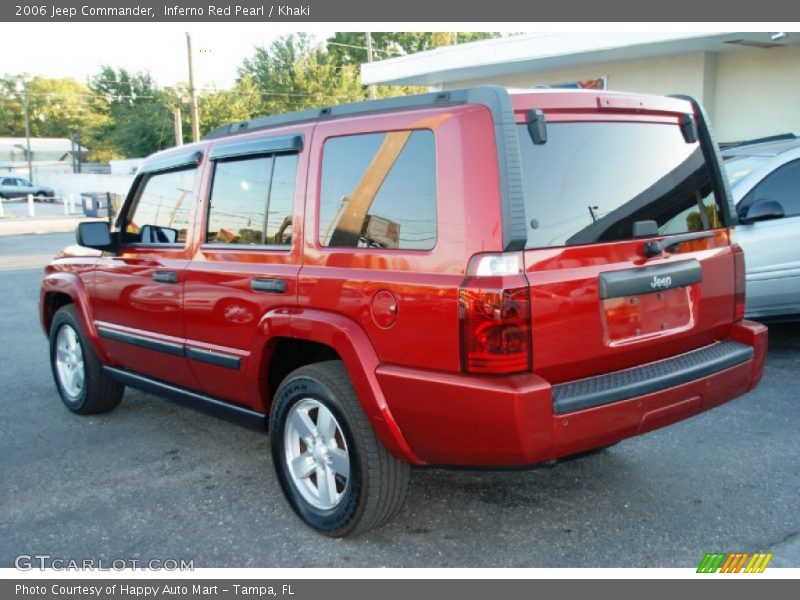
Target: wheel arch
[60,289]
[309,336]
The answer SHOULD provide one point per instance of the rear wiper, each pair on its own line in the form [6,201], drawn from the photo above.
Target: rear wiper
[672,242]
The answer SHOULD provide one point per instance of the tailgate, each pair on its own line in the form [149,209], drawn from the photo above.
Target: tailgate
[603,308]
[628,257]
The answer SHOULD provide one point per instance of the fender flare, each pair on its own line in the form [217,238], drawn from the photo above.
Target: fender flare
[353,346]
[73,286]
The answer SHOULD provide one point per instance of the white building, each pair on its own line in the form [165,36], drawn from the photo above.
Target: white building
[42,149]
[749,83]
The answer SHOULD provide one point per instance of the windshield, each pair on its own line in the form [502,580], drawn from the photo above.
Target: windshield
[592,181]
[740,167]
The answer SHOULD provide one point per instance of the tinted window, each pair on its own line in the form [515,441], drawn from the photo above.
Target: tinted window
[379,191]
[239,201]
[740,167]
[591,181]
[782,185]
[281,200]
[162,210]
[251,201]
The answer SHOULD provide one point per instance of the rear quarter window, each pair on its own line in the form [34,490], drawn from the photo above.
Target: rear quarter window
[378,190]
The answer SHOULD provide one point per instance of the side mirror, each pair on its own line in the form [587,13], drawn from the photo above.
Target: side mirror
[762,210]
[94,234]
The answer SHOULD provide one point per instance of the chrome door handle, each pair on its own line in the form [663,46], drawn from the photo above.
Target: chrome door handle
[165,276]
[271,286]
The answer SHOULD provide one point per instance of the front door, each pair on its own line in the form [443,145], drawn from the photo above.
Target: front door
[138,293]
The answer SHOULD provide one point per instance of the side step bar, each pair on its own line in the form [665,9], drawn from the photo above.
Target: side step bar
[649,378]
[218,408]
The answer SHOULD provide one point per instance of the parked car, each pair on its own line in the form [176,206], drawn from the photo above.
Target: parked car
[465,278]
[15,187]
[765,180]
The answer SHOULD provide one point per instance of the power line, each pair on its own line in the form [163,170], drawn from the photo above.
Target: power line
[365,49]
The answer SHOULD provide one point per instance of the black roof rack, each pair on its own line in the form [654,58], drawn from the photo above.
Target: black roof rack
[472,95]
[495,98]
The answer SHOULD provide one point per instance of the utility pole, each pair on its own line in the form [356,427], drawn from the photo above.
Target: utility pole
[373,93]
[27,127]
[178,125]
[78,149]
[192,93]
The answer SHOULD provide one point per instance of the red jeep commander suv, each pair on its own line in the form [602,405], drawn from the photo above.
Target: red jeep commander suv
[469,278]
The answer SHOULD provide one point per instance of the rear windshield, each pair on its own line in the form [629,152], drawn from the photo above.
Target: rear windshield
[590,182]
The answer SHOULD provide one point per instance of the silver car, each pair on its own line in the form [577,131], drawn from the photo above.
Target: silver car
[765,179]
[13,188]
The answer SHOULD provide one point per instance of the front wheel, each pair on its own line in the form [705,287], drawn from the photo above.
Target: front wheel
[81,382]
[333,470]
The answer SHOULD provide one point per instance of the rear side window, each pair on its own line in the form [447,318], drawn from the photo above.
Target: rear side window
[592,181]
[160,214]
[378,190]
[251,201]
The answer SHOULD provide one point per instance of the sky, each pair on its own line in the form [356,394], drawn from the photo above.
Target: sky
[77,50]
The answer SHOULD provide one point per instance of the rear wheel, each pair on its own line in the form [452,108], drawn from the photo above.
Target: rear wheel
[40,197]
[333,470]
[81,382]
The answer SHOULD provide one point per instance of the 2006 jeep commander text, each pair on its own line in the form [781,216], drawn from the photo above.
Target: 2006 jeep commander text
[462,278]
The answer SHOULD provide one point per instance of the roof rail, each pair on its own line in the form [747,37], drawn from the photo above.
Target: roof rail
[771,138]
[341,110]
[495,98]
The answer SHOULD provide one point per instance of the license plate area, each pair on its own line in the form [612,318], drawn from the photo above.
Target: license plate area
[650,301]
[630,318]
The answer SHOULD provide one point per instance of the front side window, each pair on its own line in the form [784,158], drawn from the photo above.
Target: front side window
[590,182]
[252,200]
[740,167]
[378,190]
[161,212]
[782,186]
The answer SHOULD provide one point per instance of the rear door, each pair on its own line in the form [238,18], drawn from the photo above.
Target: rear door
[249,257]
[603,185]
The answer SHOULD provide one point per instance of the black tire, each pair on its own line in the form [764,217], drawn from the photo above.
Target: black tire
[377,484]
[98,393]
[40,197]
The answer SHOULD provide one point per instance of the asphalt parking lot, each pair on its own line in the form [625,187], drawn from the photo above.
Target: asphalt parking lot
[152,480]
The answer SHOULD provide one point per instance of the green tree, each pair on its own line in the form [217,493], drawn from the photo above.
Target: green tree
[139,116]
[57,107]
[293,73]
[220,107]
[350,47]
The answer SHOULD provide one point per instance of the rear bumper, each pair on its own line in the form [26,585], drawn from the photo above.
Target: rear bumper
[523,420]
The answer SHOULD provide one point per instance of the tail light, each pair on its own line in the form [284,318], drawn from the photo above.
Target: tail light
[495,316]
[739,286]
